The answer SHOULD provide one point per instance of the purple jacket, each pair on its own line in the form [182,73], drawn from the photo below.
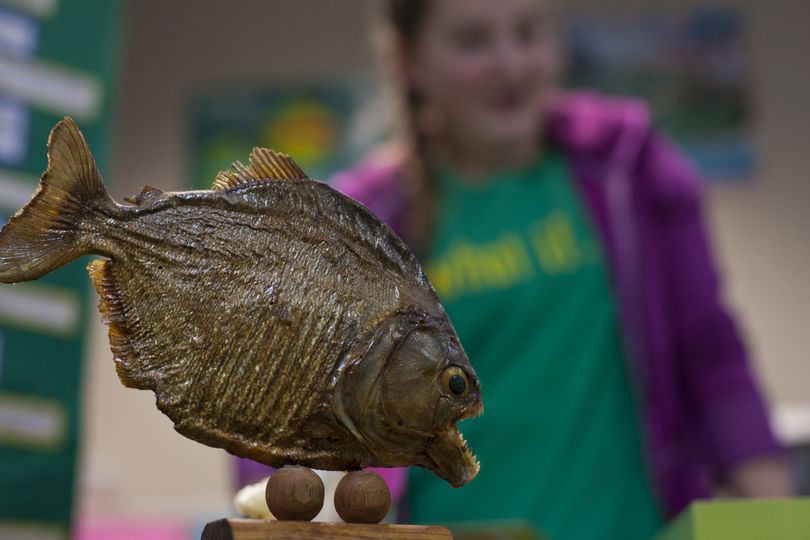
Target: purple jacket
[702,411]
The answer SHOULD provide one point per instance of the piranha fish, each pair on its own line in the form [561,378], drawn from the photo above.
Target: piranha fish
[271,315]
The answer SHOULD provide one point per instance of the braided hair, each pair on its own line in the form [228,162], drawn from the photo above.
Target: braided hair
[403,21]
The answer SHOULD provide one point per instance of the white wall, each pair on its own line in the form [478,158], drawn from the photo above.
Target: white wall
[135,464]
[762,227]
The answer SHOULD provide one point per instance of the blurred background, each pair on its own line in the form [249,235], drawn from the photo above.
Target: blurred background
[168,93]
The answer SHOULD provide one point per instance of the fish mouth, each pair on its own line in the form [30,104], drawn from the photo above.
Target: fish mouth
[450,455]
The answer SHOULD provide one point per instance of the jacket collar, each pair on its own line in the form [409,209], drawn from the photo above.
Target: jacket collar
[589,123]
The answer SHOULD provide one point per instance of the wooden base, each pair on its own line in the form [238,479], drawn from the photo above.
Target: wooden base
[258,529]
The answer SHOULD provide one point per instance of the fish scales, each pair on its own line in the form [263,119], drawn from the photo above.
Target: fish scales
[298,365]
[284,415]
[251,405]
[271,316]
[318,341]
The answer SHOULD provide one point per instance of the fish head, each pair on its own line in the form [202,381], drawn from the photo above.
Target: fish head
[409,390]
[428,387]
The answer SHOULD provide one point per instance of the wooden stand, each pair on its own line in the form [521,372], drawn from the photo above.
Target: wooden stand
[256,529]
[295,496]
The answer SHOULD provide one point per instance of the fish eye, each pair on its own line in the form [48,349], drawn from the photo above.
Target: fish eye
[454,381]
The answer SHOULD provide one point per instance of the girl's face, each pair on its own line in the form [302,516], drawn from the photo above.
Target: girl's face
[482,68]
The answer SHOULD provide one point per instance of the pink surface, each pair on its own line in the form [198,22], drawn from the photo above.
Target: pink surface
[130,530]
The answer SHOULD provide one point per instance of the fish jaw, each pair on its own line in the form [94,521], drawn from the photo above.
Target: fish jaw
[450,456]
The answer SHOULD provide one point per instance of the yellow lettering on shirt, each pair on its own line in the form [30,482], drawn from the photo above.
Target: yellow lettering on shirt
[550,244]
[472,268]
[555,244]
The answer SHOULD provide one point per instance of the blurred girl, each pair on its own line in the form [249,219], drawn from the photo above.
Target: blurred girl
[565,239]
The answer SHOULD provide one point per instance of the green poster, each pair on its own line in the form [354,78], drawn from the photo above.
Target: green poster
[691,65]
[319,125]
[57,59]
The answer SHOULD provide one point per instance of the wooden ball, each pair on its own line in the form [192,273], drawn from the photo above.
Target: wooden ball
[362,497]
[294,493]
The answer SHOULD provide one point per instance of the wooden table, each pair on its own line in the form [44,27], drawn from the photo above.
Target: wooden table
[256,529]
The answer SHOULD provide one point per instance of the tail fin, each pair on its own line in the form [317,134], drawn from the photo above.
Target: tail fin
[43,235]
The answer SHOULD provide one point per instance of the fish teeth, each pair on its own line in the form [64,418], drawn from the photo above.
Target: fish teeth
[470,458]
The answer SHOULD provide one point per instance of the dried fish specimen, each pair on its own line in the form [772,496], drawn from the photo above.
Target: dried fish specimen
[272,316]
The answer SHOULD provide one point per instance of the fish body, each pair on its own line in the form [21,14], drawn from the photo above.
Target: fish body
[271,315]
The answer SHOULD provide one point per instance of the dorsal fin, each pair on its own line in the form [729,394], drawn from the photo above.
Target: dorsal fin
[265,165]
[148,192]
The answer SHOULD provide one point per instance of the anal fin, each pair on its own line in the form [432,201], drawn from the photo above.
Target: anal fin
[113,314]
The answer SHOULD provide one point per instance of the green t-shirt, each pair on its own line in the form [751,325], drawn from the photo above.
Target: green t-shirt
[521,274]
